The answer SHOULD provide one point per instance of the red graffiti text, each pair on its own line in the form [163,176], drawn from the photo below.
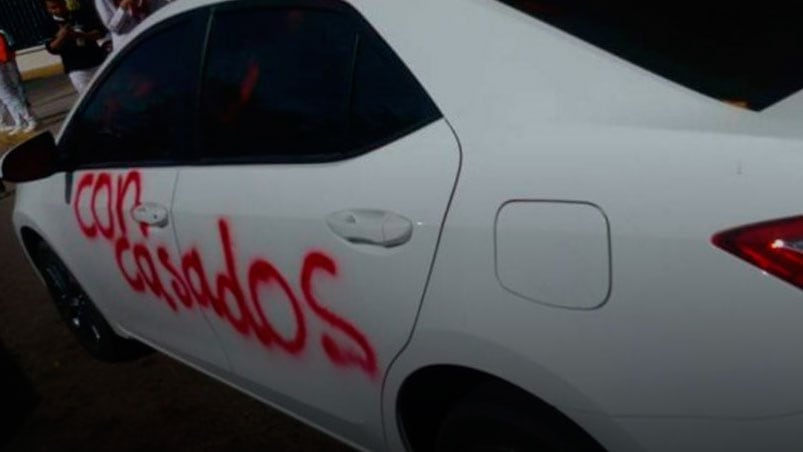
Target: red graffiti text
[101,204]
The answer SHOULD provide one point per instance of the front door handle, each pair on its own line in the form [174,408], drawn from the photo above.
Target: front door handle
[151,214]
[373,227]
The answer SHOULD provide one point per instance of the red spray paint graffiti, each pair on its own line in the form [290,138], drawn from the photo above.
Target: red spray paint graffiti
[189,285]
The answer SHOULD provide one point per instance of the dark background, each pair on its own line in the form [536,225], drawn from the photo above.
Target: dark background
[747,52]
[24,19]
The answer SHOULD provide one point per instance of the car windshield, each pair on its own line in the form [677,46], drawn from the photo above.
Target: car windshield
[747,54]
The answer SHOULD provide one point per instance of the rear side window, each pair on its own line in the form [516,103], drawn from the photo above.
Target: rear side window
[143,111]
[743,53]
[303,85]
[386,100]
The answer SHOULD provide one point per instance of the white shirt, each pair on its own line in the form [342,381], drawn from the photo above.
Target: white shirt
[119,21]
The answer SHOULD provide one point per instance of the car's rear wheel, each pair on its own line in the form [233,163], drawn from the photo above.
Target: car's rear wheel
[79,313]
[488,420]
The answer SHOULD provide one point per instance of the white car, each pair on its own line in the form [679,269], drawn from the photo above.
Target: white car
[438,224]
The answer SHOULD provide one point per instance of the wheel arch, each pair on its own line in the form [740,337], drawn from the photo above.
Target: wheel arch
[428,395]
[29,237]
[460,362]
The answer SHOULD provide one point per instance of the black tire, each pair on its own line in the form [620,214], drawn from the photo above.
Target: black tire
[491,419]
[80,314]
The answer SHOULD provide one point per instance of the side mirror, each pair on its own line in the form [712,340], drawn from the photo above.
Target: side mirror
[34,159]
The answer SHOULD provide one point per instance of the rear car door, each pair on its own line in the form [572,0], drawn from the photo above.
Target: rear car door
[311,219]
[124,142]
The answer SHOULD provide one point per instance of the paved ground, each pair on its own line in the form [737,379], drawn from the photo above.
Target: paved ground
[53,397]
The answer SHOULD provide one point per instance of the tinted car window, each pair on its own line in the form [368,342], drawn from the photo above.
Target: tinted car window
[387,100]
[277,83]
[144,110]
[301,85]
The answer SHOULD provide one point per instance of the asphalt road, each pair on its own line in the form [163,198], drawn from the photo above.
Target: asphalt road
[54,397]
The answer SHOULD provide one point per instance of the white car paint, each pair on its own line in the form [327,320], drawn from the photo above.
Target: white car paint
[693,349]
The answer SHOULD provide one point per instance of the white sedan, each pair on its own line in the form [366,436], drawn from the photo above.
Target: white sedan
[443,225]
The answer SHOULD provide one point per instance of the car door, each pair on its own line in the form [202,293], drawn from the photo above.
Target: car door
[124,143]
[311,219]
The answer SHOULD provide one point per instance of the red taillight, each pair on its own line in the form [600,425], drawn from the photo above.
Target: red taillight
[773,246]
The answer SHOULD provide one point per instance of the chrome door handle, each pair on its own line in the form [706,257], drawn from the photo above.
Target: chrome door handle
[151,214]
[373,227]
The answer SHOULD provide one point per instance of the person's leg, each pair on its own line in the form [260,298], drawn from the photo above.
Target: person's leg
[5,119]
[25,112]
[16,79]
[80,79]
[9,98]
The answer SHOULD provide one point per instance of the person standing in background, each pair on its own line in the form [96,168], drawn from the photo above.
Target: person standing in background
[121,16]
[75,38]
[74,5]
[12,93]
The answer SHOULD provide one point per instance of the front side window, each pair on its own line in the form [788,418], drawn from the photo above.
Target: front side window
[143,111]
[301,85]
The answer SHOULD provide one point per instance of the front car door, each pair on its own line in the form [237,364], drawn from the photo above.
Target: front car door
[311,219]
[124,142]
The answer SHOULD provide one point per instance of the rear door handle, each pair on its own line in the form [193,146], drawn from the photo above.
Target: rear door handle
[373,227]
[151,214]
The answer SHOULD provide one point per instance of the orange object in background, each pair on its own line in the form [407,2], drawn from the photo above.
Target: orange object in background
[5,52]
[737,103]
